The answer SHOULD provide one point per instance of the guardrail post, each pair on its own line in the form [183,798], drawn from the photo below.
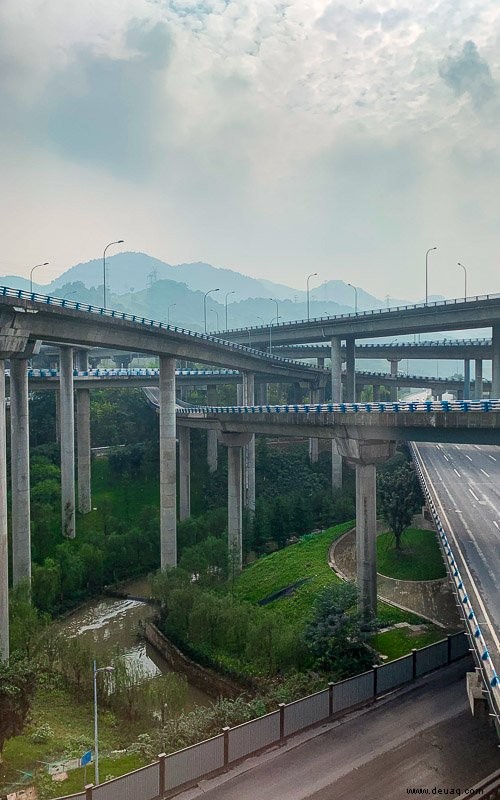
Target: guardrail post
[414,662]
[225,731]
[448,639]
[330,698]
[282,721]
[88,791]
[375,681]
[161,777]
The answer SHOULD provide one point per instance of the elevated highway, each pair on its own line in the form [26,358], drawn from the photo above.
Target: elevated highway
[451,349]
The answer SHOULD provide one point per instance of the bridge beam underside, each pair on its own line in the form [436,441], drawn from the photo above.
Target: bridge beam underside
[168,501]
[20,471]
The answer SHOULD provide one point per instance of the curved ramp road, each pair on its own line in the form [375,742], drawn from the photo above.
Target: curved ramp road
[464,481]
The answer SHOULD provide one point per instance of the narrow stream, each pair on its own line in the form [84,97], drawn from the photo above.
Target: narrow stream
[107,622]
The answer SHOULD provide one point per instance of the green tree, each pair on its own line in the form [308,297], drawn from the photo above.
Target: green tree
[399,498]
[17,686]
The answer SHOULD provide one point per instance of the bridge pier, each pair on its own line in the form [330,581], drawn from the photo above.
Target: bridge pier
[350,384]
[184,435]
[394,373]
[478,379]
[234,443]
[336,356]
[495,362]
[466,379]
[314,441]
[67,426]
[168,502]
[212,435]
[20,471]
[249,449]
[364,456]
[83,439]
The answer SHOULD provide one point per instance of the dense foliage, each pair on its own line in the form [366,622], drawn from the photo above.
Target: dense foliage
[399,498]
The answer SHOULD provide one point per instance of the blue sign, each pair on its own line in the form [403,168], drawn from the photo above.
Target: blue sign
[86,758]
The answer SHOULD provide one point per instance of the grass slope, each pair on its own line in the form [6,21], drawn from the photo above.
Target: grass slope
[418,560]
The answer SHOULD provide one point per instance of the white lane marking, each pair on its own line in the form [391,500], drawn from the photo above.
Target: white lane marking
[495,523]
[492,458]
[485,473]
[457,472]
[446,457]
[466,456]
[474,495]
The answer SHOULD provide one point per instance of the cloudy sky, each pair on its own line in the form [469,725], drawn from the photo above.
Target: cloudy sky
[276,138]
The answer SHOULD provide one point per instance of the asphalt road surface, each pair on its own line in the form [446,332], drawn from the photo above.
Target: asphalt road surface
[422,738]
[465,483]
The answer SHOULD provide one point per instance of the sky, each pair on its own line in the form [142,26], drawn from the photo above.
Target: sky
[275,138]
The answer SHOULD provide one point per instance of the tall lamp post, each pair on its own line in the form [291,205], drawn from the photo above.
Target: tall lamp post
[465,279]
[227,295]
[45,263]
[355,297]
[216,318]
[427,273]
[277,309]
[172,305]
[205,305]
[96,737]
[307,285]
[119,241]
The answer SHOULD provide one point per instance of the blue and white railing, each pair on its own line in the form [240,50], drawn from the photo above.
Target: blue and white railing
[425,406]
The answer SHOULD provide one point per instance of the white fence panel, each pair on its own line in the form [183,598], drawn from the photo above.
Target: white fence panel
[394,674]
[352,691]
[193,762]
[144,783]
[254,735]
[305,712]
[431,657]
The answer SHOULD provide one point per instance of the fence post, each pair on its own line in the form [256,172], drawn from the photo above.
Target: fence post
[449,648]
[330,698]
[281,707]
[225,731]
[161,776]
[414,662]
[88,791]
[375,681]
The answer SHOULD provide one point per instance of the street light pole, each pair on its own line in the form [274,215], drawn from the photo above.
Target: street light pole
[172,305]
[205,305]
[277,309]
[307,284]
[119,241]
[270,330]
[227,295]
[32,271]
[96,736]
[427,273]
[355,297]
[465,279]
[216,318]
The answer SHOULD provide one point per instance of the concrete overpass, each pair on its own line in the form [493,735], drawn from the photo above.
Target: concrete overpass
[452,349]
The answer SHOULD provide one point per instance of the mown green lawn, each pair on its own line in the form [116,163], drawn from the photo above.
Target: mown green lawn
[418,560]
[400,641]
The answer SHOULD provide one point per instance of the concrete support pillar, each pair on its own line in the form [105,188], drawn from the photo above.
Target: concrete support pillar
[249,449]
[184,435]
[350,345]
[20,471]
[83,438]
[495,362]
[212,435]
[234,509]
[67,422]
[359,391]
[466,379]
[376,393]
[314,442]
[262,394]
[336,356]
[57,398]
[4,557]
[239,394]
[394,371]
[168,517]
[478,379]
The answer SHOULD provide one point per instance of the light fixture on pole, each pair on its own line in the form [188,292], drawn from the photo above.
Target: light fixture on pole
[45,263]
[172,305]
[427,273]
[227,295]
[465,279]
[119,241]
[205,305]
[307,285]
[96,736]
[355,297]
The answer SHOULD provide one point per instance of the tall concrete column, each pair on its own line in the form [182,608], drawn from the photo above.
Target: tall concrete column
[314,442]
[67,424]
[350,346]
[249,449]
[184,435]
[495,362]
[239,394]
[336,356]
[376,393]
[466,379]
[4,556]
[364,455]
[478,379]
[212,435]
[394,371]
[234,508]
[20,471]
[57,396]
[83,450]
[262,394]
[168,516]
